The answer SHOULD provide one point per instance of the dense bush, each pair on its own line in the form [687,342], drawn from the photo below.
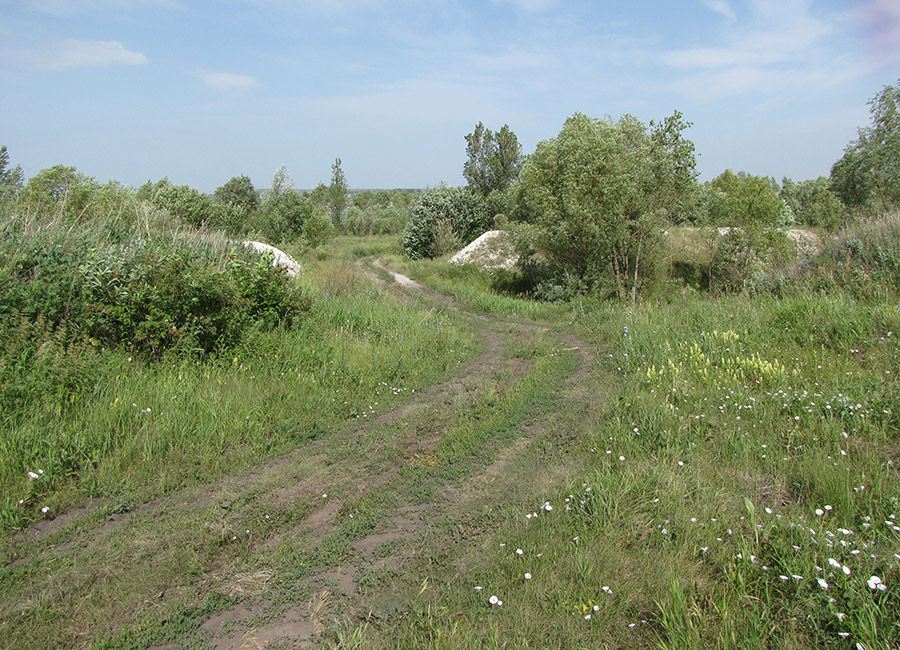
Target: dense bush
[442,219]
[184,202]
[745,258]
[144,293]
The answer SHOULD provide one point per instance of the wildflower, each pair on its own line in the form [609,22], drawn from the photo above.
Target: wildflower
[528,576]
[45,510]
[822,583]
[834,563]
[596,608]
[840,615]
[519,551]
[587,617]
[875,583]
[843,635]
[819,512]
[32,475]
[606,589]
[478,588]
[493,600]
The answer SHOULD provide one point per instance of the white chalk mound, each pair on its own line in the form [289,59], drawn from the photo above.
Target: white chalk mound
[495,249]
[280,258]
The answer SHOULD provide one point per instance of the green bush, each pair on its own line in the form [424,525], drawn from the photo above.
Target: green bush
[442,218]
[184,202]
[745,259]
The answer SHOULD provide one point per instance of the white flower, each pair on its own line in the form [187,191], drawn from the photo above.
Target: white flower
[606,589]
[621,457]
[45,510]
[519,551]
[820,512]
[596,608]
[528,576]
[846,569]
[493,600]
[822,583]
[840,615]
[587,617]
[875,583]
[834,563]
[478,588]
[32,475]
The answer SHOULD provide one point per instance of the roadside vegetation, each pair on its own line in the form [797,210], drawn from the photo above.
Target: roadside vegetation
[670,426]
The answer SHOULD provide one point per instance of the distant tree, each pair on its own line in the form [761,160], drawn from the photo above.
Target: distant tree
[869,171]
[11,180]
[494,160]
[184,202]
[598,195]
[59,189]
[813,203]
[744,200]
[283,210]
[337,193]
[238,191]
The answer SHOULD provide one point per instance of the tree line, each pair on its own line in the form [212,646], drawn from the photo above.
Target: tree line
[590,207]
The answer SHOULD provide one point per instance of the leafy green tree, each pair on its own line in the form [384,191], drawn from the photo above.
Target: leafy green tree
[283,210]
[868,174]
[745,201]
[494,160]
[813,203]
[238,191]
[337,193]
[598,195]
[59,189]
[184,202]
[11,180]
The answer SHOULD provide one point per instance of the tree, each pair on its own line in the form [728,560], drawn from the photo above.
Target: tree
[59,189]
[185,202]
[869,170]
[745,201]
[283,210]
[238,191]
[812,203]
[337,193]
[598,195]
[11,180]
[494,160]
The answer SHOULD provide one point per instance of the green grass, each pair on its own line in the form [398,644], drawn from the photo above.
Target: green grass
[724,477]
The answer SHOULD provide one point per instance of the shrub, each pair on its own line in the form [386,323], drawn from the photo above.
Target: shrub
[184,202]
[746,258]
[444,216]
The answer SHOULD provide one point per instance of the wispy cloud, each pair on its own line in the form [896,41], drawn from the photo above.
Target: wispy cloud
[77,54]
[513,61]
[529,6]
[781,45]
[721,7]
[226,82]
[73,7]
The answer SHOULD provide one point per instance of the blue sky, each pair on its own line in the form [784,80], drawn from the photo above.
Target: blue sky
[201,91]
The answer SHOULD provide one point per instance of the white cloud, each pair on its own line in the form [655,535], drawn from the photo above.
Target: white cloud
[226,82]
[77,54]
[513,61]
[782,46]
[721,7]
[529,6]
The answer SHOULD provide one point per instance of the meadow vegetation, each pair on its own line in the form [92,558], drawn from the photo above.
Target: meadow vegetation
[667,436]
